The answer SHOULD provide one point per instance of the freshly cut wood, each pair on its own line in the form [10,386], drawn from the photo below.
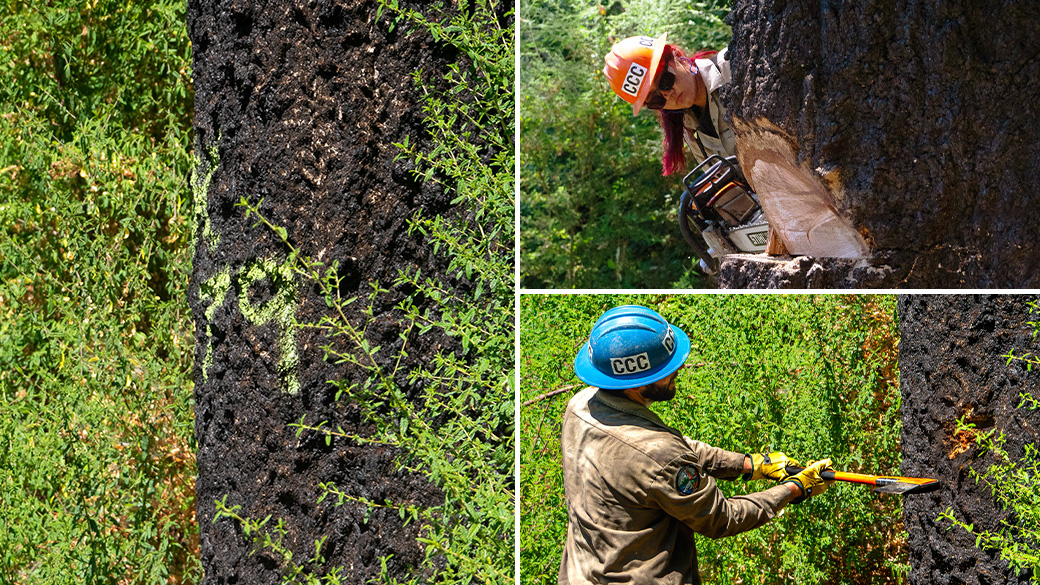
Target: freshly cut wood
[775,246]
[801,211]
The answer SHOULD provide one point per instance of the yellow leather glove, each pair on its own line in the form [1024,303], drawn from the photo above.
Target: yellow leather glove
[810,480]
[769,465]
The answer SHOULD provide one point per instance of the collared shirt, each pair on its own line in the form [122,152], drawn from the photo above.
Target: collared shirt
[636,491]
[714,72]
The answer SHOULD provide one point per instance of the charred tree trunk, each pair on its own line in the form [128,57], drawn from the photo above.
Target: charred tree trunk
[891,143]
[952,367]
[298,105]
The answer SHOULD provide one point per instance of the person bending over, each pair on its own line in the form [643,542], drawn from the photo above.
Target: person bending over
[684,91]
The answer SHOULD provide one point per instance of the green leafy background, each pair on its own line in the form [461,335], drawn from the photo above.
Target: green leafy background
[97,458]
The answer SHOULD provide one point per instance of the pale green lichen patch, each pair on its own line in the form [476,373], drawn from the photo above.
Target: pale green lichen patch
[214,290]
[200,181]
[281,308]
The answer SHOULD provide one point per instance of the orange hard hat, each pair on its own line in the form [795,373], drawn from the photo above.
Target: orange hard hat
[630,68]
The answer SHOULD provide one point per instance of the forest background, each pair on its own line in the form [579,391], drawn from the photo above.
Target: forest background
[97,465]
[812,376]
[595,211]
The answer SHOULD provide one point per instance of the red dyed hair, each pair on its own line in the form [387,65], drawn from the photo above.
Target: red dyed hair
[674,158]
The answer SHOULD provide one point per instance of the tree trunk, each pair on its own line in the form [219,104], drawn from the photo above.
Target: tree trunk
[298,106]
[891,143]
[952,368]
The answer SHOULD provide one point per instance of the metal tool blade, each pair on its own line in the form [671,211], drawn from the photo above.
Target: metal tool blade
[904,488]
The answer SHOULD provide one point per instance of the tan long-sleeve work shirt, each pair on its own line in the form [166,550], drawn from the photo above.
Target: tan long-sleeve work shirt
[637,489]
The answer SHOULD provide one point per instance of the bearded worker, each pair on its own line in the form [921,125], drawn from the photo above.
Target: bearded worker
[638,489]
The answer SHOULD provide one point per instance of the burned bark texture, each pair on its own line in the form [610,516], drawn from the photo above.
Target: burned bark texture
[301,103]
[920,121]
[952,367]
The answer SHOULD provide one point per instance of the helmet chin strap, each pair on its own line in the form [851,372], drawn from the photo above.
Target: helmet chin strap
[700,98]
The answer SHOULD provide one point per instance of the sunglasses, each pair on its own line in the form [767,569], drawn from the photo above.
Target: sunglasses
[656,101]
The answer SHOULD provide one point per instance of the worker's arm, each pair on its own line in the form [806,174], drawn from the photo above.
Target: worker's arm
[718,463]
[686,493]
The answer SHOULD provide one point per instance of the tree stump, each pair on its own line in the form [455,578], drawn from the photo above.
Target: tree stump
[891,144]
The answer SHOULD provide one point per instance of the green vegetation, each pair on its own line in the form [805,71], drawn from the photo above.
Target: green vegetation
[469,453]
[595,210]
[813,376]
[1014,484]
[97,460]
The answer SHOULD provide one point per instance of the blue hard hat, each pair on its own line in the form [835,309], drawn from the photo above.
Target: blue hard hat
[631,346]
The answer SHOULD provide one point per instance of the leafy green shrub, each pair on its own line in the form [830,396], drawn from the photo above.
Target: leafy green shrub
[1014,484]
[595,211]
[97,462]
[813,376]
[469,452]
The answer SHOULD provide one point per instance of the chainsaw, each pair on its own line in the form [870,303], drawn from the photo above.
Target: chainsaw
[719,214]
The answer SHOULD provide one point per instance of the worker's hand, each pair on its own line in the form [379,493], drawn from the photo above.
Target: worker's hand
[810,480]
[769,465]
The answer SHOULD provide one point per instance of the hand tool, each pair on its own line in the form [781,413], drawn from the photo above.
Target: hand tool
[884,484]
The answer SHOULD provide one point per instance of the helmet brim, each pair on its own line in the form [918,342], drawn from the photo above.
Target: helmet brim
[587,372]
[655,60]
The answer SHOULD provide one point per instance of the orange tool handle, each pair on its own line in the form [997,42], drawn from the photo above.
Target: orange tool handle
[876,480]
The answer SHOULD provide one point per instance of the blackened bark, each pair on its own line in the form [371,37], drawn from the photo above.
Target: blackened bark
[298,105]
[952,368]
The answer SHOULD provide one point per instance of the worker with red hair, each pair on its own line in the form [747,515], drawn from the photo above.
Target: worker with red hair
[684,91]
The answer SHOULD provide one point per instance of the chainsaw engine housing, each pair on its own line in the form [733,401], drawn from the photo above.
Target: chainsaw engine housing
[719,210]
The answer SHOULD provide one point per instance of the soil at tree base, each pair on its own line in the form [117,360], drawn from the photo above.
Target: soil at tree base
[915,112]
[783,272]
[951,367]
[304,101]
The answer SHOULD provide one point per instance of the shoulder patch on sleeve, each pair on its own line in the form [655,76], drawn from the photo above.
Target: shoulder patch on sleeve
[687,480]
